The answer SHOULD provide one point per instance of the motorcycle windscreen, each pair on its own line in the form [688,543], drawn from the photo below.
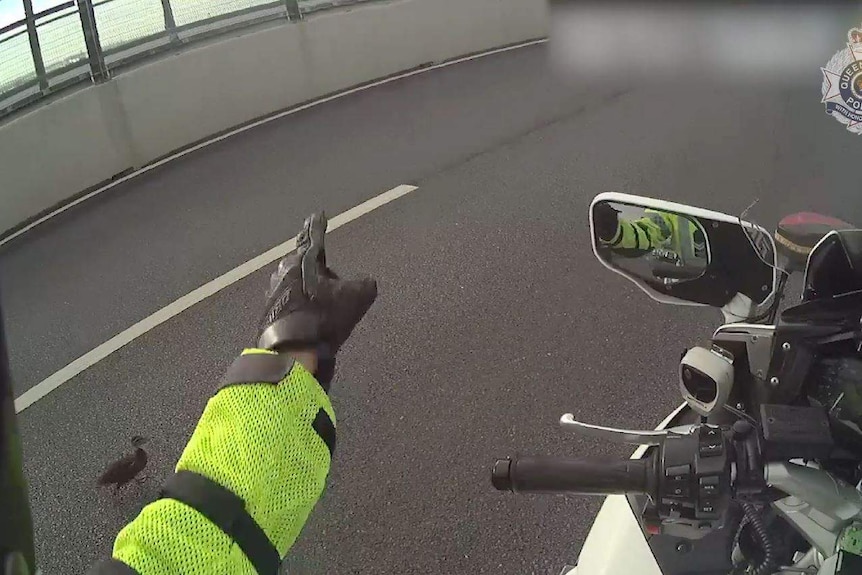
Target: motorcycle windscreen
[834,266]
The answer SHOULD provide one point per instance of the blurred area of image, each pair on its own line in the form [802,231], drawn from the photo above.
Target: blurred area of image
[697,43]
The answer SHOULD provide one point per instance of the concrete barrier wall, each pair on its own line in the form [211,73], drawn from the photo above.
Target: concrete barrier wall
[58,149]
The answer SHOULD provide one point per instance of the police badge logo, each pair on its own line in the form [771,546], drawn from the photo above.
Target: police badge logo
[842,83]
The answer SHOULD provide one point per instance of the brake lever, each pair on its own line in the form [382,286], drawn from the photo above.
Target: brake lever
[614,435]
[310,242]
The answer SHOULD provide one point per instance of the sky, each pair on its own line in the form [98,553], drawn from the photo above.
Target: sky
[13,10]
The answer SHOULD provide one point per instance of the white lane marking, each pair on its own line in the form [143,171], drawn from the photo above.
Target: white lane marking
[257,123]
[92,357]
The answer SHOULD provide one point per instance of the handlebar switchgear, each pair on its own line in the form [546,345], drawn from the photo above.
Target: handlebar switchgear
[690,478]
[694,489]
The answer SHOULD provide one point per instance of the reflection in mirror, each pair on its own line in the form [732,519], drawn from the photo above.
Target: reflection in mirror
[658,247]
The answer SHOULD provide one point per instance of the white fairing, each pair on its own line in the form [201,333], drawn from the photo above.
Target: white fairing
[616,544]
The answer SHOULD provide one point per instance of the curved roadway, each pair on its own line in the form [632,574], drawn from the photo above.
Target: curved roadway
[493,316]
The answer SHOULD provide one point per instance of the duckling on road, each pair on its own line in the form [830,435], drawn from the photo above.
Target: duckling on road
[126,468]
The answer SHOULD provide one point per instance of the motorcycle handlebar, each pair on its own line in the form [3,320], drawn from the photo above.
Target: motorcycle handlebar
[585,476]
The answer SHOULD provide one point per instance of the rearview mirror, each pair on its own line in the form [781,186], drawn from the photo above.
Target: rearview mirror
[682,254]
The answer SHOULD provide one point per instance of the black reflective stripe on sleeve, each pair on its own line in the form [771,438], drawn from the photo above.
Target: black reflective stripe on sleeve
[111,567]
[325,429]
[227,511]
[645,229]
[257,368]
[636,232]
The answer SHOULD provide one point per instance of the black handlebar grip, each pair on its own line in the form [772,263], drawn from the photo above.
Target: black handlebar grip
[586,476]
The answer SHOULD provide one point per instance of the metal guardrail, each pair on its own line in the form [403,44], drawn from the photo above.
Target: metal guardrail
[86,41]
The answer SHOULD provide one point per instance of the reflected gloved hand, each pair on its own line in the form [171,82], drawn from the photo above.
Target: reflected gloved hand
[309,307]
[605,221]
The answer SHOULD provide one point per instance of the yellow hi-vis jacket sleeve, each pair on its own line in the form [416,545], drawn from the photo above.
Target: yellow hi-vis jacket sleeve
[644,234]
[246,482]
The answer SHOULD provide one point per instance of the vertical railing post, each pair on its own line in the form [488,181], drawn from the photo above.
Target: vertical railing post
[170,23]
[98,69]
[293,11]
[35,48]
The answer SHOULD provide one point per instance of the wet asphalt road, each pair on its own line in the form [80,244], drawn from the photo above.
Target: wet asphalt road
[493,316]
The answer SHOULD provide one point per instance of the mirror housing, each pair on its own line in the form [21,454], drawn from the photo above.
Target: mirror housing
[730,260]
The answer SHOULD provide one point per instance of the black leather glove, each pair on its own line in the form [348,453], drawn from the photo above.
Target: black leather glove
[309,306]
[606,221]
